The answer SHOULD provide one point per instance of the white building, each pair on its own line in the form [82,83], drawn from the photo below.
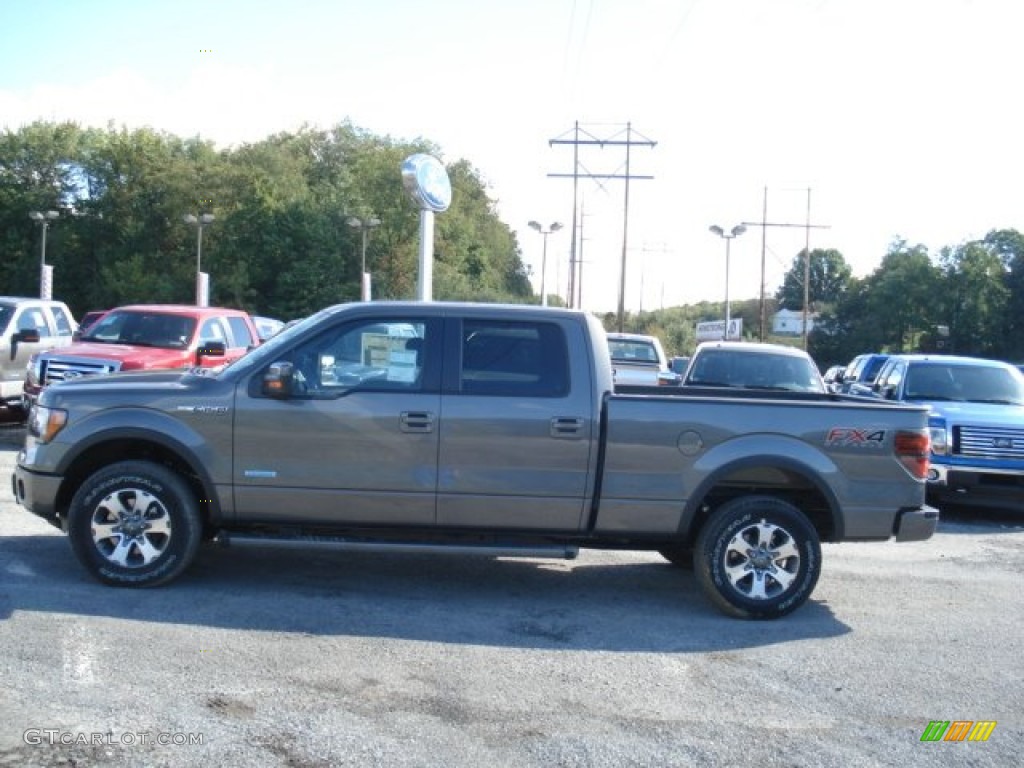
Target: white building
[788,322]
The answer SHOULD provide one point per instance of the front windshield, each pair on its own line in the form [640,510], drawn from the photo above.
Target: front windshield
[964,383]
[143,328]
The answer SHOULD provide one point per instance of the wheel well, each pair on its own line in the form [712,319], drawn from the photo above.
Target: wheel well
[779,482]
[124,449]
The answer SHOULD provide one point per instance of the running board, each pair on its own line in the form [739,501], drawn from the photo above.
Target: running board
[556,551]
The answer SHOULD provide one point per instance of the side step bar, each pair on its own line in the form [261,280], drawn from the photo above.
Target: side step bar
[555,551]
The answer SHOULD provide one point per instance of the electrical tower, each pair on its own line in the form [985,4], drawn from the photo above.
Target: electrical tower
[582,137]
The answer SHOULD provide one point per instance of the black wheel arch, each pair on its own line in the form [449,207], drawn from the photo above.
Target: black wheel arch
[807,491]
[113,445]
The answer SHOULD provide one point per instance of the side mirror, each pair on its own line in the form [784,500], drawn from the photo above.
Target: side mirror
[277,381]
[210,349]
[26,336]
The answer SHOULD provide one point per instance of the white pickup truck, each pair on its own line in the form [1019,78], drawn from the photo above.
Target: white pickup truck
[638,360]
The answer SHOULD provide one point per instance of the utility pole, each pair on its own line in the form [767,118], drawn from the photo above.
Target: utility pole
[591,140]
[807,227]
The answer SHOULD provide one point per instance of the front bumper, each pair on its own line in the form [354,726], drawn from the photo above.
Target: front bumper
[37,493]
[915,524]
[976,486]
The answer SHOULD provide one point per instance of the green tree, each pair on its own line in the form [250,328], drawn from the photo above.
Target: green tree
[830,278]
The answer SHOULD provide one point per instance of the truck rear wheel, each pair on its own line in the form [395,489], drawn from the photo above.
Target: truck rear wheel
[134,523]
[758,557]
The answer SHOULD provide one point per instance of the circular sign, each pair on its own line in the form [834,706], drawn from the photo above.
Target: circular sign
[426,180]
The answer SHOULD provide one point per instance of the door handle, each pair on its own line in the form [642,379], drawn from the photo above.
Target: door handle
[416,421]
[566,427]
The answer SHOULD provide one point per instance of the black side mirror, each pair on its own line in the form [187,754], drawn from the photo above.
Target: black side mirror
[278,380]
[210,349]
[25,335]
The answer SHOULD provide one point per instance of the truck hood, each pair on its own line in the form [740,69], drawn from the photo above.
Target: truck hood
[130,357]
[979,414]
[128,387]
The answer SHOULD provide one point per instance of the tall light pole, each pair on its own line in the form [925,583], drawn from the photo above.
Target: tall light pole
[555,226]
[364,225]
[199,222]
[736,231]
[44,220]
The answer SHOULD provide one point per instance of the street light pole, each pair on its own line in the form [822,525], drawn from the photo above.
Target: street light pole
[555,226]
[364,225]
[199,222]
[736,231]
[44,220]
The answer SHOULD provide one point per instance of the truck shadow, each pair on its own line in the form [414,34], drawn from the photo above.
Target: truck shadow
[638,603]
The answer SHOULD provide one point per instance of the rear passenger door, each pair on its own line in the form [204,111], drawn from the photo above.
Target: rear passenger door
[516,436]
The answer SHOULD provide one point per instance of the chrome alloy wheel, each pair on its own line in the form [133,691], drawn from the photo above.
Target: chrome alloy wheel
[761,561]
[131,528]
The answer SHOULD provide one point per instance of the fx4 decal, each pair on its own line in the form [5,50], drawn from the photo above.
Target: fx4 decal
[855,438]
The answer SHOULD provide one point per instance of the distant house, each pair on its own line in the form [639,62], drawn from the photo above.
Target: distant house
[788,322]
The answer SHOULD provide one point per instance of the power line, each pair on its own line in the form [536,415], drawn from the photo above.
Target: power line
[586,138]
[807,227]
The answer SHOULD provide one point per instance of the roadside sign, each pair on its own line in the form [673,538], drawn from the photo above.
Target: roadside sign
[714,330]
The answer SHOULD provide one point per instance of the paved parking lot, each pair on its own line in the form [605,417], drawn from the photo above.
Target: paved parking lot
[296,658]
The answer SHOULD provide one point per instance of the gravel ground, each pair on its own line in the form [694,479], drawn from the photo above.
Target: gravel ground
[264,657]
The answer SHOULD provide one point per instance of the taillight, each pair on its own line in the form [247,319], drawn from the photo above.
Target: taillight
[913,450]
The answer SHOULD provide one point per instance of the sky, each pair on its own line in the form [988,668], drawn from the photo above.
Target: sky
[871,120]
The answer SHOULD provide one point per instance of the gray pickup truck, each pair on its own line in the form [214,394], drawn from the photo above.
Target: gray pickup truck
[467,427]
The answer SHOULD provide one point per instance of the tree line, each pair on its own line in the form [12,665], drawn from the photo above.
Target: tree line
[966,299]
[279,244]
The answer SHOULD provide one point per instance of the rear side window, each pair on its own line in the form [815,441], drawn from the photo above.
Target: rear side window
[240,330]
[514,359]
[60,317]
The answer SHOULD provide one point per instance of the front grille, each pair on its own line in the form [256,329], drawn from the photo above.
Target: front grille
[63,369]
[989,442]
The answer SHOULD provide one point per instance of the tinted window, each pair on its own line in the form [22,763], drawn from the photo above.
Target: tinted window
[519,359]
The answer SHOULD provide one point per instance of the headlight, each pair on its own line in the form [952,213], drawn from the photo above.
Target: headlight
[940,440]
[44,423]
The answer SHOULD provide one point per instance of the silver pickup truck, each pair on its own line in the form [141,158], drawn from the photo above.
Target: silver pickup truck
[467,427]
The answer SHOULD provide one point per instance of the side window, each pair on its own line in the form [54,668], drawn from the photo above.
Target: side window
[212,330]
[516,359]
[371,355]
[60,317]
[892,378]
[33,319]
[240,332]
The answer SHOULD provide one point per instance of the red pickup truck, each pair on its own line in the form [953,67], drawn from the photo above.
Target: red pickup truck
[146,337]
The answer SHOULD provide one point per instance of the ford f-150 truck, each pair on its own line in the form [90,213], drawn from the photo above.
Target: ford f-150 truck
[425,426]
[976,418]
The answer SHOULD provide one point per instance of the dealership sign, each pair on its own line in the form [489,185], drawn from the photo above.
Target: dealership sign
[715,330]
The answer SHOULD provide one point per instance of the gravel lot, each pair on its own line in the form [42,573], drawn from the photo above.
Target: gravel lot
[263,657]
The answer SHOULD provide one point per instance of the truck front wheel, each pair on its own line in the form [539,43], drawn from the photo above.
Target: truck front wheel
[134,523]
[758,557]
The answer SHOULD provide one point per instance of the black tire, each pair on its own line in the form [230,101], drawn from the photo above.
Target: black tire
[122,545]
[758,557]
[678,555]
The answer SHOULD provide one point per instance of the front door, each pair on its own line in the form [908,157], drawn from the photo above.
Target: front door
[356,442]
